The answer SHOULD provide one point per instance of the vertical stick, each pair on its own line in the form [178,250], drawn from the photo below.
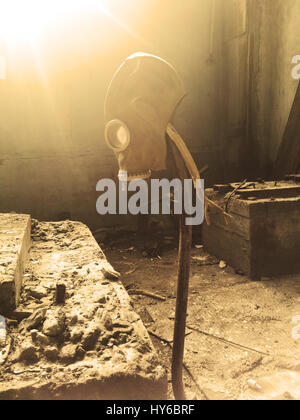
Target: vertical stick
[185,241]
[181,308]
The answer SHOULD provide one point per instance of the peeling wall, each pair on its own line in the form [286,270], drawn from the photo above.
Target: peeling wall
[52,149]
[234,57]
[260,38]
[235,89]
[276,29]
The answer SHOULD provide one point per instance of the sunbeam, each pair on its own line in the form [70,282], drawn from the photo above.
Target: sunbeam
[27,21]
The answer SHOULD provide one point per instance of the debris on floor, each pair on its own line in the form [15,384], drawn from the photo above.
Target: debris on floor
[238,330]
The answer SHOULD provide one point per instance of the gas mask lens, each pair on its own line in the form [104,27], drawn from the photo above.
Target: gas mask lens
[117,135]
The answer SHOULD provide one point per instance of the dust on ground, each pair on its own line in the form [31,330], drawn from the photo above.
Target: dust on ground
[240,342]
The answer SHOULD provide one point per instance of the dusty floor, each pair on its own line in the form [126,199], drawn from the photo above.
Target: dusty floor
[244,347]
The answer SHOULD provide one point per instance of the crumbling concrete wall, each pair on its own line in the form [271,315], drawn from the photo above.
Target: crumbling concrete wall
[14,246]
[89,345]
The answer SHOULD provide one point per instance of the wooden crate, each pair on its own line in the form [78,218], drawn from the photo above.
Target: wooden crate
[262,239]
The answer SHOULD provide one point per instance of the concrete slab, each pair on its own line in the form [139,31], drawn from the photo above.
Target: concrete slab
[14,247]
[94,346]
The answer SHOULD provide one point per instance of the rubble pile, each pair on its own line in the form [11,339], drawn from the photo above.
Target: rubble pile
[75,326]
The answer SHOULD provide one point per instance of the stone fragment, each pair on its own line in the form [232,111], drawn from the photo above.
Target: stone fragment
[28,352]
[76,335]
[51,354]
[90,310]
[121,324]
[54,324]
[99,298]
[90,337]
[40,339]
[111,274]
[105,321]
[222,265]
[80,353]
[35,320]
[72,319]
[34,334]
[20,315]
[37,292]
[254,385]
[68,353]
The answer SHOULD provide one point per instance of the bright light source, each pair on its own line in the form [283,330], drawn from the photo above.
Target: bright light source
[23,20]
[2,67]
[26,20]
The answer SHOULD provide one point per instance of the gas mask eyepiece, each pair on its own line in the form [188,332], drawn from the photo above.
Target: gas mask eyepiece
[117,135]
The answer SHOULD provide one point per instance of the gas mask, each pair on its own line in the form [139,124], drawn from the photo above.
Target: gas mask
[139,105]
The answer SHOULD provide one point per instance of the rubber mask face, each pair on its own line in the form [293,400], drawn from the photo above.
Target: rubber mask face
[140,103]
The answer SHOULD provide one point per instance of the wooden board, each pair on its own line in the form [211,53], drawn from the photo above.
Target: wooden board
[288,159]
[263,237]
[227,246]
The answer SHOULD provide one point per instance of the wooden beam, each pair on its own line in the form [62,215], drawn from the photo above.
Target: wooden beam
[288,159]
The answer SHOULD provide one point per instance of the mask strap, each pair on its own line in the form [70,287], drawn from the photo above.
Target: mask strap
[191,167]
[185,153]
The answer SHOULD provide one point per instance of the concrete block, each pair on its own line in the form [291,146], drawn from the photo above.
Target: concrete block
[90,345]
[14,246]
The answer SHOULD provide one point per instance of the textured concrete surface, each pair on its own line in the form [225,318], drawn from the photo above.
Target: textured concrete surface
[93,346]
[14,247]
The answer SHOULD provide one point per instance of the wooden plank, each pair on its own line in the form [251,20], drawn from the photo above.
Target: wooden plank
[275,236]
[227,246]
[240,207]
[263,237]
[295,178]
[288,159]
[280,192]
[237,224]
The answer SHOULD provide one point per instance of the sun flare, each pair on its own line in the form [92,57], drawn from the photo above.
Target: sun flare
[26,20]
